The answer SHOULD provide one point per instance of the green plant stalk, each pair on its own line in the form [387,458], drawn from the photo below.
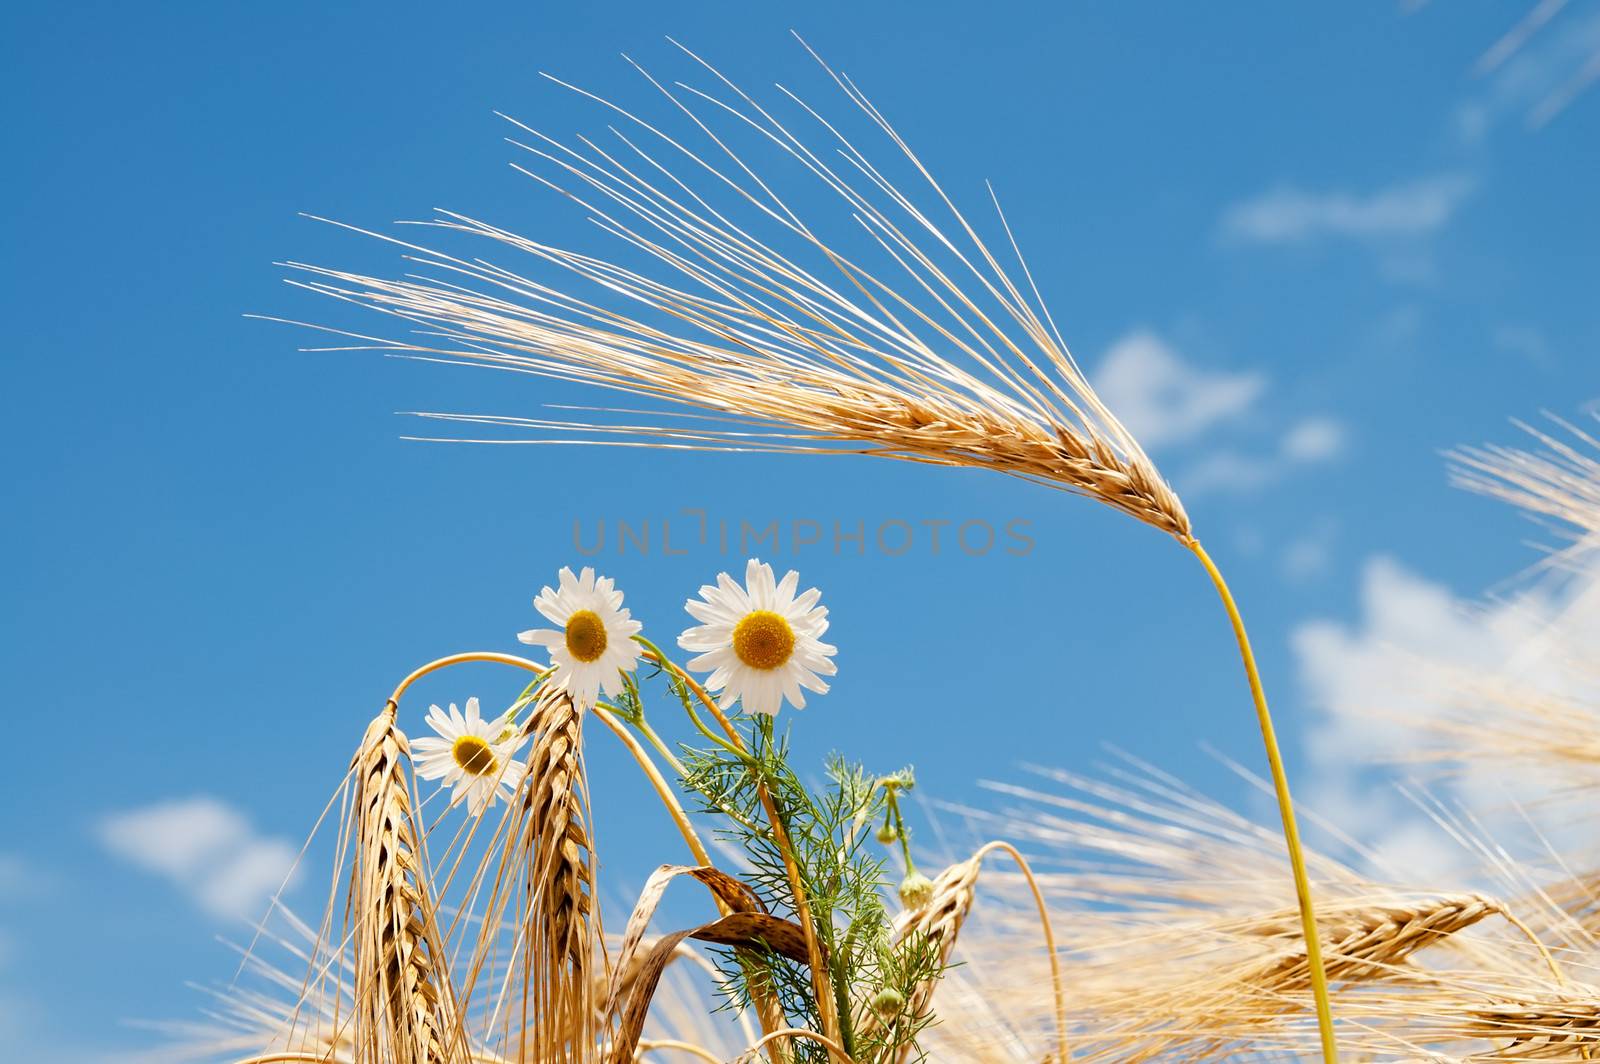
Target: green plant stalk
[1280,785]
[899,828]
[841,1003]
[820,974]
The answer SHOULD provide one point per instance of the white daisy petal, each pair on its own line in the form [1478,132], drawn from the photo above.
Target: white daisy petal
[547,637]
[733,595]
[785,593]
[440,722]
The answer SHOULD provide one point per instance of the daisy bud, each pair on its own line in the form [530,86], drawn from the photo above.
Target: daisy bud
[916,890]
[887,834]
[887,1003]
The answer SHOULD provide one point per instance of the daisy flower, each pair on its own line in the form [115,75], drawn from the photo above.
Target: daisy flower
[761,641]
[470,756]
[594,645]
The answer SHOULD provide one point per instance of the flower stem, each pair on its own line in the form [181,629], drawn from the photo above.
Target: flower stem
[661,747]
[1280,784]
[899,828]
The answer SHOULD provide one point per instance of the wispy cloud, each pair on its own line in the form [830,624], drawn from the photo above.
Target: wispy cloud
[1308,555]
[1291,215]
[1311,441]
[1316,439]
[1523,341]
[206,848]
[1165,400]
[31,1027]
[14,875]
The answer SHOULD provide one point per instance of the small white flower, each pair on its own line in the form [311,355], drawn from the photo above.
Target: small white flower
[470,756]
[761,641]
[594,645]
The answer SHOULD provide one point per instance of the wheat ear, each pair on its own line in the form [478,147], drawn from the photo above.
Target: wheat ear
[1551,1030]
[1372,940]
[547,849]
[404,1010]
[938,922]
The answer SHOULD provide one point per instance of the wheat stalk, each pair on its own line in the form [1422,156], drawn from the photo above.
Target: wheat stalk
[404,1009]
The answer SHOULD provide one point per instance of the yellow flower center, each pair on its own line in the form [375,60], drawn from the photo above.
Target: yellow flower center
[473,754]
[586,636]
[763,639]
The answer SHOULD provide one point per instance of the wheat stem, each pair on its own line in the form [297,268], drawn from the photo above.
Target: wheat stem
[1544,953]
[1056,984]
[663,790]
[833,1047]
[462,659]
[1280,785]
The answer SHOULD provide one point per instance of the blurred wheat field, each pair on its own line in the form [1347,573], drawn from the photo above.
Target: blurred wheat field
[1120,918]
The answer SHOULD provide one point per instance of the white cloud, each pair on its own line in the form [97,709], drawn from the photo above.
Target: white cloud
[1309,555]
[206,848]
[1293,215]
[1316,439]
[1375,684]
[1164,400]
[1524,342]
[1227,472]
[15,875]
[1311,441]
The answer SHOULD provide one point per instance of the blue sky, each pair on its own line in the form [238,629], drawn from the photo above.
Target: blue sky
[1303,251]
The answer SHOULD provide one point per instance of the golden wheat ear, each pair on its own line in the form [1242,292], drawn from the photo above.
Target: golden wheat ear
[404,1007]
[541,930]
[936,924]
[939,923]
